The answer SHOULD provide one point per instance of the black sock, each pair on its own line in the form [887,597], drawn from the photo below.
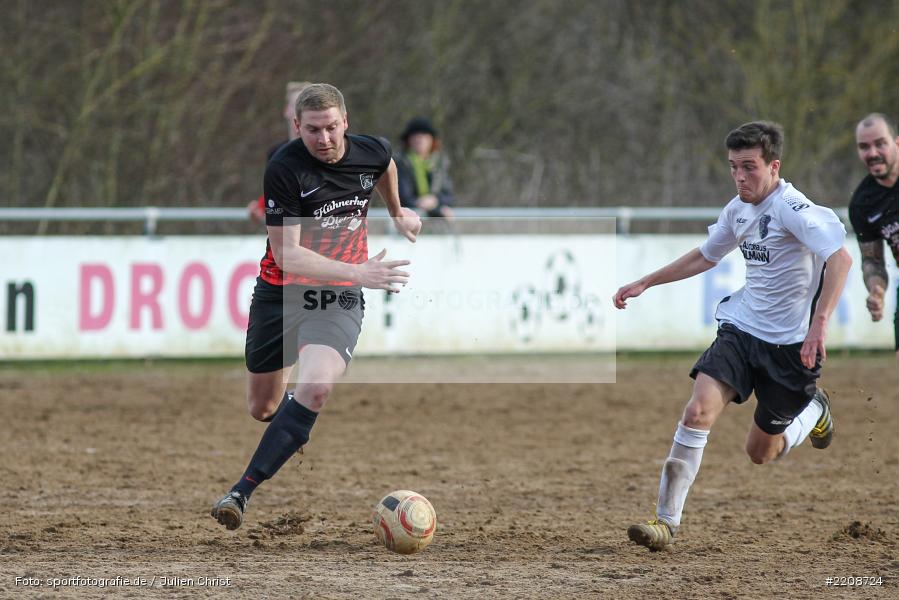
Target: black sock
[287,432]
[288,396]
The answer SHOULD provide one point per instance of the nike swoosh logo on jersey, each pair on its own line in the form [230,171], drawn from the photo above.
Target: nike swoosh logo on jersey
[304,194]
[875,217]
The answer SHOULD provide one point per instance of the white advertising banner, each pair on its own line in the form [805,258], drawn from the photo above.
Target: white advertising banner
[126,296]
[85,297]
[190,296]
[681,315]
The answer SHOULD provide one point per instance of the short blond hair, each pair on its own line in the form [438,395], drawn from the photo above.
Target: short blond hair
[320,96]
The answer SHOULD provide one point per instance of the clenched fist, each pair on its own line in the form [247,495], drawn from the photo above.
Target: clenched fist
[875,303]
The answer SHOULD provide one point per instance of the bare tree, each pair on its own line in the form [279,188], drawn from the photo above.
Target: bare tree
[540,102]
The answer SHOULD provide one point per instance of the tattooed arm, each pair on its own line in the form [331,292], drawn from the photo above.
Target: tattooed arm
[875,275]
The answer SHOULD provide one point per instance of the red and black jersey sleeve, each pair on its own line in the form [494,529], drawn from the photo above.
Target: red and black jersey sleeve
[282,194]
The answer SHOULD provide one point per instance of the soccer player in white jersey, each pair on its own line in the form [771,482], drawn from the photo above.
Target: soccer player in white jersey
[771,331]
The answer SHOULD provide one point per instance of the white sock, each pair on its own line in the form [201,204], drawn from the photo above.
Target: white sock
[802,425]
[679,471]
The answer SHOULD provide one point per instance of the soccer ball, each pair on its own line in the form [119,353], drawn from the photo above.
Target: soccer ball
[404,521]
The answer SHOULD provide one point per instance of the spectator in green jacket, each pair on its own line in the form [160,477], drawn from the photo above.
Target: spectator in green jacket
[424,179]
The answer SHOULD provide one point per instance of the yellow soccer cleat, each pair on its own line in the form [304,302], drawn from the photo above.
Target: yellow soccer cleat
[655,534]
[822,433]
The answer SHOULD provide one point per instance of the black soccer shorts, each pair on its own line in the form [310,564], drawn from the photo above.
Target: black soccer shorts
[283,319]
[783,385]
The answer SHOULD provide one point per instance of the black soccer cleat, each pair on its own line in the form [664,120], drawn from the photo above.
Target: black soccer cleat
[822,433]
[229,509]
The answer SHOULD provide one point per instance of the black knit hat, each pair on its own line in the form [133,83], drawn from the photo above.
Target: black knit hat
[418,125]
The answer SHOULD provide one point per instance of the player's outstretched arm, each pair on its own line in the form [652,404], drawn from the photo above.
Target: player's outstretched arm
[874,272]
[838,265]
[406,221]
[375,273]
[690,264]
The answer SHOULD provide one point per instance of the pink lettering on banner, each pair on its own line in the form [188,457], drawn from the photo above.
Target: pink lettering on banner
[200,319]
[243,271]
[88,319]
[141,299]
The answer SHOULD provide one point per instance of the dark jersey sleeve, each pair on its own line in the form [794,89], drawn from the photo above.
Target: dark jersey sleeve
[864,231]
[282,194]
[387,150]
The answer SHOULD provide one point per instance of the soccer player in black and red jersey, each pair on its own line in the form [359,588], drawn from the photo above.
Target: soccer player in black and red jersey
[874,209]
[308,304]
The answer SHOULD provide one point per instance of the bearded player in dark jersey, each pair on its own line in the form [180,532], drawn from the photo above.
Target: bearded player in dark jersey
[874,210]
[307,304]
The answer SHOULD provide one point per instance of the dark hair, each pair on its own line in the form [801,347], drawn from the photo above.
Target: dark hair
[767,135]
[876,116]
[419,125]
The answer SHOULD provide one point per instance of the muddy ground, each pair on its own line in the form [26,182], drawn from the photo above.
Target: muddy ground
[109,471]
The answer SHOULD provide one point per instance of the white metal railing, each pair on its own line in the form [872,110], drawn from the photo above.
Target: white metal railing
[151,216]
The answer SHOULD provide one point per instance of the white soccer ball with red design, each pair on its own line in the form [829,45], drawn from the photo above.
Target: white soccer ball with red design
[405,521]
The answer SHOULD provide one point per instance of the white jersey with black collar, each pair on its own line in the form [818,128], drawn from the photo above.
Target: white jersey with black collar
[785,241]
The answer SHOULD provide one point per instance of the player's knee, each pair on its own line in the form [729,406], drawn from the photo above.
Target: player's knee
[696,417]
[755,457]
[261,413]
[261,407]
[314,395]
[759,459]
[760,454]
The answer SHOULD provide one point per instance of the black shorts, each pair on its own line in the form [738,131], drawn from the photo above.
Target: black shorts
[783,385]
[283,319]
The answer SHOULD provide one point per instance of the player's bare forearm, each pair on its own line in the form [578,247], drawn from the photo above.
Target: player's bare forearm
[838,265]
[375,273]
[874,270]
[406,221]
[690,264]
[296,260]
[388,188]
[304,262]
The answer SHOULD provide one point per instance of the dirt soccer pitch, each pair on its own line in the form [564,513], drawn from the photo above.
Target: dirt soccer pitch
[109,472]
